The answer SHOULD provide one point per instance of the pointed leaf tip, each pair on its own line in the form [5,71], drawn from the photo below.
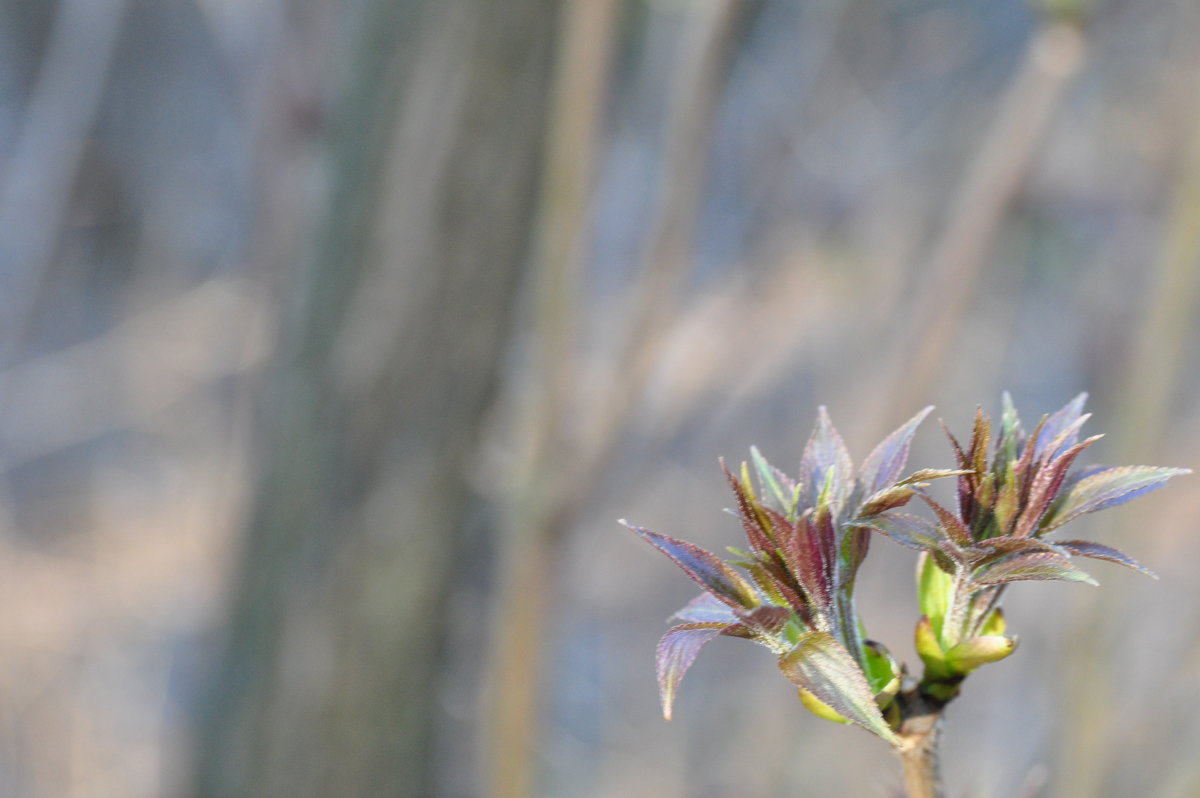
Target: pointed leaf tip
[1098,551]
[820,664]
[885,463]
[704,567]
[676,652]
[1109,487]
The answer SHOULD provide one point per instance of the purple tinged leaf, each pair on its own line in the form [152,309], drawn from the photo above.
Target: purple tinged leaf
[753,519]
[1107,488]
[702,566]
[1036,565]
[994,549]
[907,530]
[1045,486]
[765,620]
[1098,551]
[1066,421]
[676,652]
[953,527]
[806,560]
[705,608]
[825,455]
[821,665]
[885,463]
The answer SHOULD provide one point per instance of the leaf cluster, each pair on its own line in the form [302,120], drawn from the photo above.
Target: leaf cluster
[792,589]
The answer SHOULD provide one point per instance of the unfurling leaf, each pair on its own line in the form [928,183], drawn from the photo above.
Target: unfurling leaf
[821,665]
[676,652]
[826,462]
[929,648]
[884,500]
[775,483]
[1038,565]
[1098,551]
[934,588]
[702,566]
[995,624]
[970,654]
[885,463]
[1107,488]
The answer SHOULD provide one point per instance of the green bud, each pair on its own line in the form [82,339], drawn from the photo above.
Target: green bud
[819,707]
[970,654]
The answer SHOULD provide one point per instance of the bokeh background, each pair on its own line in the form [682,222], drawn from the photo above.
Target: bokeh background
[335,337]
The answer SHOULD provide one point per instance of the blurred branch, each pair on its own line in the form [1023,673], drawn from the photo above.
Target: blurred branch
[560,468]
[526,578]
[38,180]
[926,332]
[1165,334]
[393,339]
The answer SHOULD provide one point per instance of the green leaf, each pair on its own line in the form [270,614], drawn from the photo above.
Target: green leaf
[774,482]
[970,654]
[1107,488]
[995,624]
[883,672]
[934,587]
[821,665]
[930,651]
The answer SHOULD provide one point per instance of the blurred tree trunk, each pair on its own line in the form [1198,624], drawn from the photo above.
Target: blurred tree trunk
[389,351]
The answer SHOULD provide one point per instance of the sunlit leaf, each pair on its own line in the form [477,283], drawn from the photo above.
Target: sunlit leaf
[929,649]
[765,620]
[1098,551]
[826,462]
[1107,488]
[1045,487]
[949,523]
[1037,565]
[885,463]
[754,520]
[676,652]
[775,483]
[705,608]
[702,566]
[934,587]
[1065,424]
[907,530]
[821,665]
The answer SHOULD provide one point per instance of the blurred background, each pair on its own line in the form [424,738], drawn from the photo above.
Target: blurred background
[335,337]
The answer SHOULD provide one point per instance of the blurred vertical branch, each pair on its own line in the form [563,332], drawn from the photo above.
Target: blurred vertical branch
[1149,385]
[391,345]
[562,464]
[1052,60]
[39,174]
